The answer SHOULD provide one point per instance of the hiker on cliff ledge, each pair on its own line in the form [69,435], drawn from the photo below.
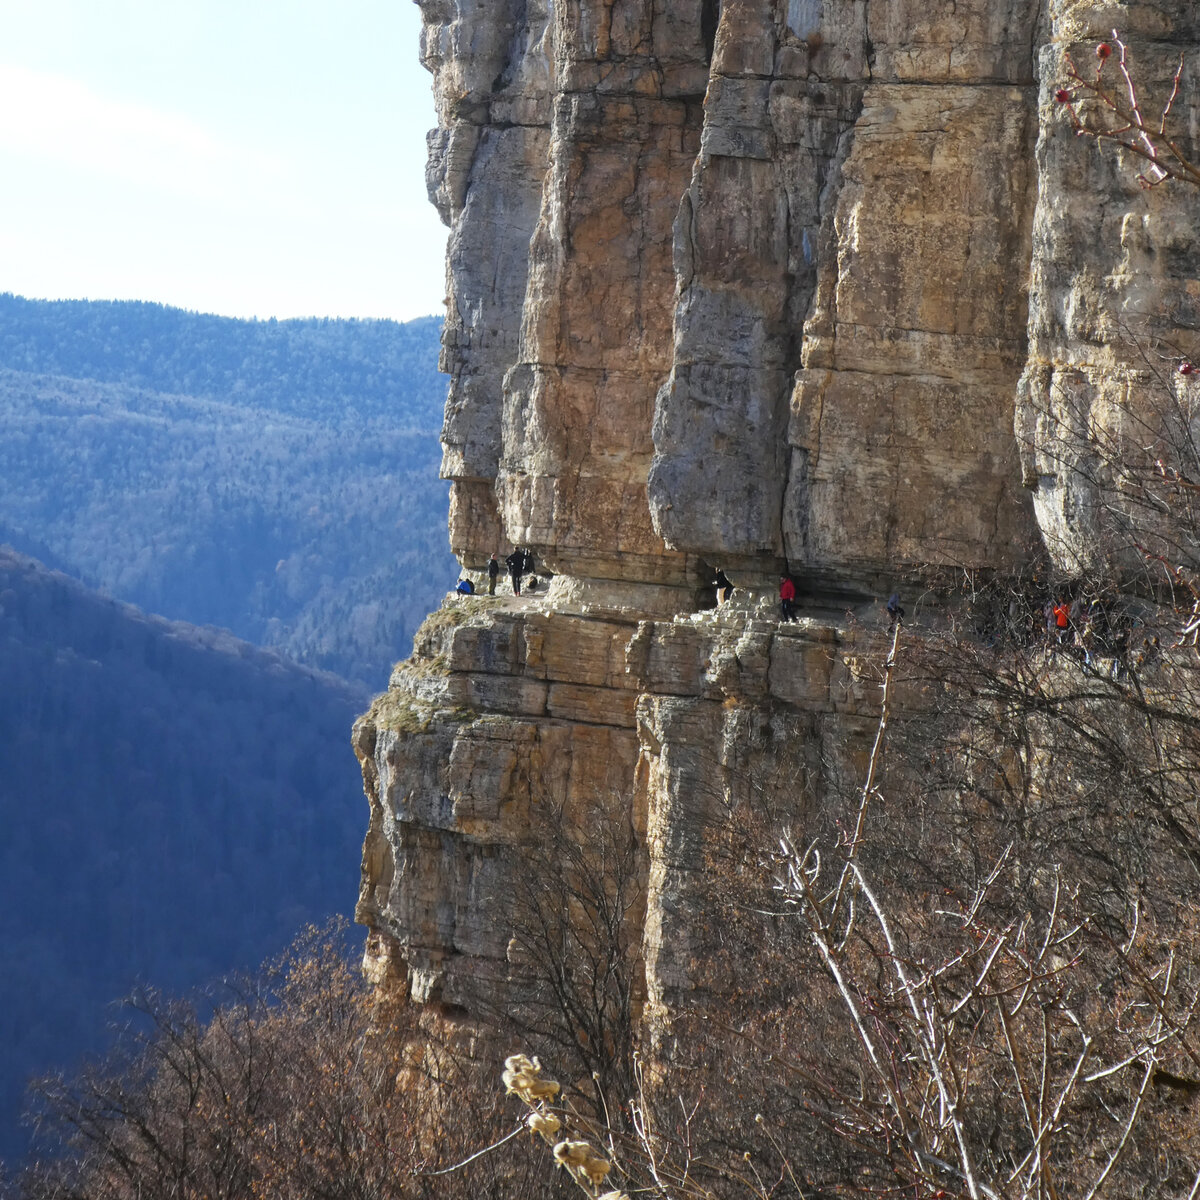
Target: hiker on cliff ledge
[493,572]
[787,598]
[516,567]
[724,587]
[894,611]
[1062,621]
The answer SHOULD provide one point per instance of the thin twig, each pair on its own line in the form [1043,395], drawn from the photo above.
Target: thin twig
[508,1137]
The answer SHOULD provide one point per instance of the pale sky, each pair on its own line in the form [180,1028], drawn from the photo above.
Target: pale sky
[244,157]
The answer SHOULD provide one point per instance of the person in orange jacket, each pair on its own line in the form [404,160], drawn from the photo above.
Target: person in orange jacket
[1062,619]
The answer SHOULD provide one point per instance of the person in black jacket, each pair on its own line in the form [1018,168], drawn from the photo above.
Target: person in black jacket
[516,568]
[493,571]
[724,587]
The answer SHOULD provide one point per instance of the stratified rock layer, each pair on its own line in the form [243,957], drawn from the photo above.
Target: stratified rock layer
[507,721]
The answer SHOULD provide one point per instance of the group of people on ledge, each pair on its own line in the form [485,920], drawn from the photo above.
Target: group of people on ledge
[519,564]
[787,598]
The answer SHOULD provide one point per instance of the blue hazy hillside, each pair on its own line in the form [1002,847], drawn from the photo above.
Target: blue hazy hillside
[317,367]
[275,478]
[176,805]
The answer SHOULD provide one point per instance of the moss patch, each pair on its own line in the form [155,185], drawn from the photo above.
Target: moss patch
[402,713]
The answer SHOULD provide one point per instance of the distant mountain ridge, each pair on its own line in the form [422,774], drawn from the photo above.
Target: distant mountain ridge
[317,367]
[278,479]
[176,804]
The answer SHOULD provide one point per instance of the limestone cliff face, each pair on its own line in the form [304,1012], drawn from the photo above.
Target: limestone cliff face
[812,285]
[741,281]
[505,719]
[1115,285]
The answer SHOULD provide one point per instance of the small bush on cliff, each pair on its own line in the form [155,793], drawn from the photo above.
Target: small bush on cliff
[1112,112]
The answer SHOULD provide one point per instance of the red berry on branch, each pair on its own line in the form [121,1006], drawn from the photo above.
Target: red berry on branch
[1103,50]
[1062,96]
[1186,368]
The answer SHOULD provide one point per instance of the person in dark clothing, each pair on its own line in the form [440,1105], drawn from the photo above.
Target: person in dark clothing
[724,587]
[894,611]
[493,572]
[787,598]
[516,566]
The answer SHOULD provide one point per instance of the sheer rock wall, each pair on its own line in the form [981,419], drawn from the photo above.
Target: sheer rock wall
[765,284]
[505,723]
[1114,288]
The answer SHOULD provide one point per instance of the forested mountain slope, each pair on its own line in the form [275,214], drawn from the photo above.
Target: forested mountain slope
[278,479]
[317,367]
[176,804]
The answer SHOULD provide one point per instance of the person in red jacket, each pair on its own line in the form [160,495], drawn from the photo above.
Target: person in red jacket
[1062,619]
[787,598]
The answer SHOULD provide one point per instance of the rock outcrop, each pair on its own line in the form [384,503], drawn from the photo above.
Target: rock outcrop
[508,721]
[802,285]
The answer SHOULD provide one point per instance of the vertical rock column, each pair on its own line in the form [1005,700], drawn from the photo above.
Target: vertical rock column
[901,433]
[859,210]
[596,341]
[493,74]
[1115,301]
[785,89]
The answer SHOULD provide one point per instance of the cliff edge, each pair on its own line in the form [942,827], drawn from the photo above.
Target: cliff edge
[817,286]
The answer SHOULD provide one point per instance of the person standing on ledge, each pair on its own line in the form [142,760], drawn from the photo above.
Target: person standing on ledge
[516,564]
[724,587]
[493,571]
[894,611]
[787,598]
[1062,620]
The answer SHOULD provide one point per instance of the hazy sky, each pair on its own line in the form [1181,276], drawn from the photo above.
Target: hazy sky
[244,157]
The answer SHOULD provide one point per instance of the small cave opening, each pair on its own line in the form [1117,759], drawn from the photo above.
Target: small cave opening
[705,594]
[710,14]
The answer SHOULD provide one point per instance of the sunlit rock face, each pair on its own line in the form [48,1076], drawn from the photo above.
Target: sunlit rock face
[824,286]
[851,315]
[493,75]
[739,282]
[1115,292]
[508,726]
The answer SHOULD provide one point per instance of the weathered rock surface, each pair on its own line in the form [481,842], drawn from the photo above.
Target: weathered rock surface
[1115,290]
[507,720]
[493,86]
[817,285]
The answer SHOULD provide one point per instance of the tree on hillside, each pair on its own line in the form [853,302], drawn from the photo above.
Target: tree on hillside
[575,978]
[308,520]
[299,1083]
